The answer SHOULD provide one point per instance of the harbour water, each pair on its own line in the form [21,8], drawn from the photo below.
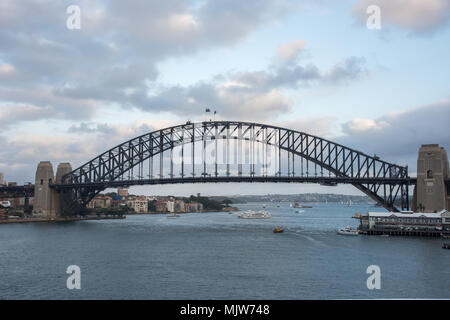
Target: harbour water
[218,256]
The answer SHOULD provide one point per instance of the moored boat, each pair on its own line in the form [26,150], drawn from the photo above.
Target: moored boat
[250,214]
[348,231]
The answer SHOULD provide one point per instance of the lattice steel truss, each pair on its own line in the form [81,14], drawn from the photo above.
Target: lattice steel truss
[296,157]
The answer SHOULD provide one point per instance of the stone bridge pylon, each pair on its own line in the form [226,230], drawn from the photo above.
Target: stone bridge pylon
[432,192]
[48,201]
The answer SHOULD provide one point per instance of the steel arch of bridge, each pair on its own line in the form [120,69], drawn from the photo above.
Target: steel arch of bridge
[384,182]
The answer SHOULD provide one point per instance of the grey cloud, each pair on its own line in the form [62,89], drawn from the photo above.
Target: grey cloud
[292,75]
[242,94]
[25,104]
[244,104]
[64,72]
[20,155]
[84,127]
[238,94]
[398,136]
[349,69]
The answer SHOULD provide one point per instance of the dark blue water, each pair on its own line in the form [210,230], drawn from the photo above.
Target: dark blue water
[218,256]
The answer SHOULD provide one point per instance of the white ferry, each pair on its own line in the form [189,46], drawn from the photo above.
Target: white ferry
[250,214]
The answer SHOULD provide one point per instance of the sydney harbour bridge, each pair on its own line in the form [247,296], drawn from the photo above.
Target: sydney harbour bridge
[219,152]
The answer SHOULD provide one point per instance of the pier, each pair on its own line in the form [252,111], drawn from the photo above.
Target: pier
[404,232]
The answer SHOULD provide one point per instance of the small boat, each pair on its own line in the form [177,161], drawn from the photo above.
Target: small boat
[277,230]
[446,246]
[173,215]
[348,231]
[264,205]
[5,204]
[305,207]
[278,205]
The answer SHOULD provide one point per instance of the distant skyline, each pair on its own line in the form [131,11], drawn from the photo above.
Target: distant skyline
[70,94]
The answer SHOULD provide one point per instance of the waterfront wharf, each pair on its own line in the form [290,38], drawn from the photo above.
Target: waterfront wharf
[405,232]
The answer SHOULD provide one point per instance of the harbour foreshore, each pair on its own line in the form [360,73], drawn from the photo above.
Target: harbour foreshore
[60,219]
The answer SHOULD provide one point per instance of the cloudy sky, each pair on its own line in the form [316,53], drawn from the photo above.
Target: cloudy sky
[135,66]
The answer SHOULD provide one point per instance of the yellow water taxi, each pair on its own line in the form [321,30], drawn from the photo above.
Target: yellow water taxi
[277,230]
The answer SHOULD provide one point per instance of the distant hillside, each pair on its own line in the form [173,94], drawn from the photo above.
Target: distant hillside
[305,197]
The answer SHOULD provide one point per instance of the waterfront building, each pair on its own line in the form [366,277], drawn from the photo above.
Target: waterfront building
[416,223]
[138,205]
[100,201]
[193,207]
[170,205]
[180,206]
[122,192]
[1,178]
[160,206]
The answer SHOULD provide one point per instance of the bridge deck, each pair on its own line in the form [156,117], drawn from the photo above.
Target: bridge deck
[242,179]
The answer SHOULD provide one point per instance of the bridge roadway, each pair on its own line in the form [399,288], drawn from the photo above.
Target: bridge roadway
[242,179]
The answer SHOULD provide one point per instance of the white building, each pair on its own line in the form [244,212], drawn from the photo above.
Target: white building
[138,205]
[170,205]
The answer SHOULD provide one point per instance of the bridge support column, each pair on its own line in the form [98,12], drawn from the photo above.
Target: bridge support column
[48,201]
[63,197]
[430,193]
[43,194]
